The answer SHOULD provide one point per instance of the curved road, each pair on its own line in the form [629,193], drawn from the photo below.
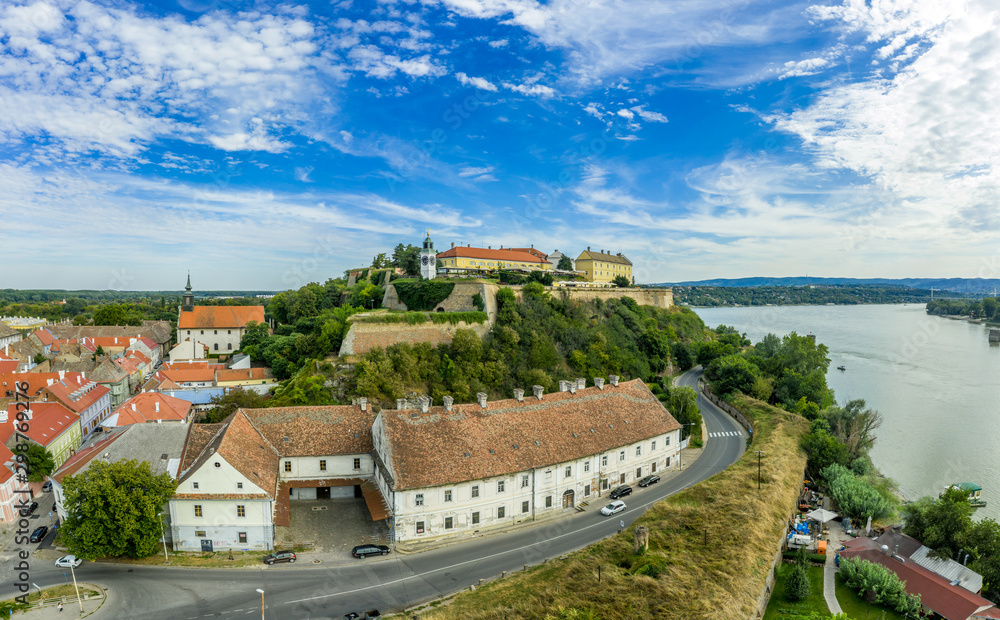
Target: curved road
[393,583]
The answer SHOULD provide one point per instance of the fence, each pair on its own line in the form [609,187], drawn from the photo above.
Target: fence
[733,412]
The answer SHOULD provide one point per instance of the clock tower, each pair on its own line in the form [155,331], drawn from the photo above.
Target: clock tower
[428,259]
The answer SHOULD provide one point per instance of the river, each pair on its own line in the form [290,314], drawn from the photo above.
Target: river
[936,382]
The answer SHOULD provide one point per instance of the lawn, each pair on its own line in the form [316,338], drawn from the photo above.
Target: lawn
[857,609]
[778,607]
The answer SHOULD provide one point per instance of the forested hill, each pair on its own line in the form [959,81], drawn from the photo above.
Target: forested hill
[964,286]
[712,296]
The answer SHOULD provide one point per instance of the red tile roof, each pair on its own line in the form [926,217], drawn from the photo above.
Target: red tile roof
[471,443]
[64,391]
[314,431]
[244,374]
[6,456]
[7,366]
[48,421]
[135,355]
[246,449]
[533,251]
[487,254]
[37,381]
[936,592]
[216,317]
[44,336]
[189,364]
[127,365]
[186,375]
[142,408]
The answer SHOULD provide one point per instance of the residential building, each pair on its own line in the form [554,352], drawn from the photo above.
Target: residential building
[84,397]
[260,380]
[604,267]
[8,335]
[24,324]
[49,424]
[115,378]
[188,349]
[150,407]
[470,259]
[157,332]
[535,253]
[219,327]
[456,469]
[42,338]
[10,364]
[10,487]
[556,256]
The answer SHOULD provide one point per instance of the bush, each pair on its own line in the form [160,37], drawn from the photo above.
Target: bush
[856,497]
[887,589]
[797,585]
[422,294]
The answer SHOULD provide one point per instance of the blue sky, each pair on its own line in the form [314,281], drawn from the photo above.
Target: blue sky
[266,145]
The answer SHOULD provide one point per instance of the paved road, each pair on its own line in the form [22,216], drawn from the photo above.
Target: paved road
[391,583]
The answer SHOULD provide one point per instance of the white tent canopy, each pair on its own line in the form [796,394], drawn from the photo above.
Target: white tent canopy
[822,515]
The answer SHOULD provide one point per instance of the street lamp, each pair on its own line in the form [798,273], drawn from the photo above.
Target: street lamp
[79,600]
[261,603]
[759,454]
[680,452]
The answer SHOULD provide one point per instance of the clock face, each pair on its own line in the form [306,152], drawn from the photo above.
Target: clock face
[424,260]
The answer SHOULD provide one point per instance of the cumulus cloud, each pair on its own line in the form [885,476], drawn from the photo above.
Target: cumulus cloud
[477,82]
[539,90]
[809,66]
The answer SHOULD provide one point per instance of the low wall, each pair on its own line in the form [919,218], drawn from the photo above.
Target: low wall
[735,413]
[657,297]
[459,300]
[363,337]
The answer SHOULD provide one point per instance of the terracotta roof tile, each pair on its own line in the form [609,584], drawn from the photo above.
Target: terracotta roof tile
[198,438]
[83,456]
[244,374]
[185,375]
[313,431]
[487,254]
[443,447]
[220,317]
[246,449]
[144,410]
[44,336]
[48,421]
[65,389]
[157,331]
[606,257]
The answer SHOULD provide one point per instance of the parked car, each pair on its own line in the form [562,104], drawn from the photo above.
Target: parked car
[648,480]
[279,556]
[39,533]
[621,491]
[371,613]
[613,508]
[362,551]
[29,508]
[47,486]
[67,561]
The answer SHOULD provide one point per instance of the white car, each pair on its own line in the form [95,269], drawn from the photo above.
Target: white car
[67,561]
[613,508]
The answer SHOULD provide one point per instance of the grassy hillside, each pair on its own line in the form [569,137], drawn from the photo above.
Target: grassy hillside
[679,577]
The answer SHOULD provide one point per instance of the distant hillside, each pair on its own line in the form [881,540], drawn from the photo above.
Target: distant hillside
[965,286]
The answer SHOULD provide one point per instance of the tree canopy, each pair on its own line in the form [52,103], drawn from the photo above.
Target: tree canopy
[40,462]
[114,509]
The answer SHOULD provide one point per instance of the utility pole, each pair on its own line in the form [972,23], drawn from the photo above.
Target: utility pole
[759,454]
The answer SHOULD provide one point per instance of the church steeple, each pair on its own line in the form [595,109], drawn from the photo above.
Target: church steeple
[188,303]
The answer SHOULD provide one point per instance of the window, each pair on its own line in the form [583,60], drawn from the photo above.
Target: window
[569,471]
[586,466]
[216,332]
[243,537]
[239,485]
[524,481]
[586,490]
[638,473]
[194,485]
[638,450]
[322,465]
[525,506]
[229,331]
[622,479]
[604,461]
[202,332]
[475,518]
[475,490]
[501,486]
[548,501]
[548,476]
[447,495]
[197,510]
[288,466]
[229,346]
[216,346]
[241,511]
[653,447]
[668,461]
[501,512]
[449,523]
[666,440]
[621,455]
[652,468]
[418,499]
[420,527]
[604,484]
[357,463]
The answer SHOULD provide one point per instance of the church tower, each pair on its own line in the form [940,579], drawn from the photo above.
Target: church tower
[428,259]
[188,303]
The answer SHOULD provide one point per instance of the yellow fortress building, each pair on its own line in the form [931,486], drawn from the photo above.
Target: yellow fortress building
[602,267]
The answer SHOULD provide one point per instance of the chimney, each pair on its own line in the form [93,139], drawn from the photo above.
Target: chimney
[481,397]
[83,374]
[157,406]
[588,248]
[400,404]
[425,404]
[27,414]
[133,407]
[3,416]
[613,379]
[581,383]
[49,381]
[363,402]
[599,382]
[452,244]
[563,386]
[538,390]
[448,401]
[62,375]
[519,395]
[79,380]
[116,339]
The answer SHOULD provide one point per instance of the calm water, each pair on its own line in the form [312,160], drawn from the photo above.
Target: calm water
[936,382]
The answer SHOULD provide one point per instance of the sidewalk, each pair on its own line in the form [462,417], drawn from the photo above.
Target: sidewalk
[837,538]
[71,608]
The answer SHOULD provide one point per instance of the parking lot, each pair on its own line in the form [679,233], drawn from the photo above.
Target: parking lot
[331,525]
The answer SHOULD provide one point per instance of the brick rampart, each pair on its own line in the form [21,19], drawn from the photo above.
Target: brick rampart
[658,297]
[363,337]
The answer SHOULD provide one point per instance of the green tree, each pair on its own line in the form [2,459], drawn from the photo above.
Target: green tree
[856,496]
[40,462]
[114,509]
[940,524]
[732,373]
[621,281]
[256,335]
[982,541]
[797,585]
[407,258]
[226,404]
[117,314]
[682,403]
[565,263]
[854,426]
[380,261]
[822,449]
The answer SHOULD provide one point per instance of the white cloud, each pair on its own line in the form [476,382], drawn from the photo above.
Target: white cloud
[809,66]
[625,113]
[499,43]
[478,82]
[531,89]
[646,115]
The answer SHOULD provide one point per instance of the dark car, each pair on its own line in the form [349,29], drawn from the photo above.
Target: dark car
[365,550]
[279,556]
[39,533]
[371,613]
[29,508]
[648,480]
[621,491]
